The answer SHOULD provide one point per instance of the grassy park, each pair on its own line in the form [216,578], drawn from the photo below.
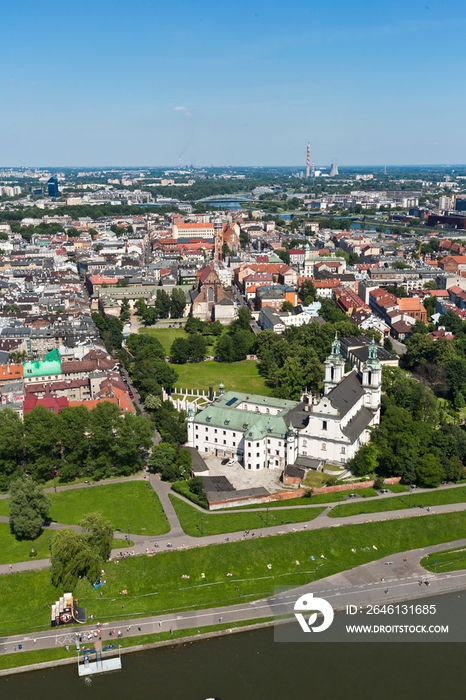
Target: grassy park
[448,560]
[236,376]
[200,524]
[130,504]
[165,336]
[434,498]
[155,584]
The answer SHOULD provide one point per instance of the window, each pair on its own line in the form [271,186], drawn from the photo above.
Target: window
[205,449]
[257,409]
[277,452]
[324,446]
[234,444]
[249,444]
[324,425]
[224,442]
[249,466]
[279,444]
[224,432]
[207,430]
[304,453]
[249,454]
[258,454]
[234,434]
[257,444]
[215,440]
[304,443]
[276,462]
[267,410]
[268,442]
[343,450]
[215,431]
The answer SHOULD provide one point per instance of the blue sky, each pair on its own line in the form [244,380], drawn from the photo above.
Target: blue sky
[232,83]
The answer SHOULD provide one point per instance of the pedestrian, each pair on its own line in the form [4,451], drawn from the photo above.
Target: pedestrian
[139,629]
[160,624]
[10,568]
[220,619]
[35,641]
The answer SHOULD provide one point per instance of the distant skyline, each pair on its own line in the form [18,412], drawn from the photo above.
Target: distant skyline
[232,83]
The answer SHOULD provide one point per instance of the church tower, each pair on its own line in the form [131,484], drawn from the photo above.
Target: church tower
[372,379]
[334,367]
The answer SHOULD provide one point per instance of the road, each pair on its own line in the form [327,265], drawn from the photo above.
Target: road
[360,586]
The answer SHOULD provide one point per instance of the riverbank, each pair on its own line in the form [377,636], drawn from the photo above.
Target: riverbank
[178,637]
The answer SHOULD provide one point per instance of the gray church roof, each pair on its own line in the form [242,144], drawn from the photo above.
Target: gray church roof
[357,424]
[346,394]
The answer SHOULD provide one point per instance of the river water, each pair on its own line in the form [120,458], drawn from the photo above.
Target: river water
[251,666]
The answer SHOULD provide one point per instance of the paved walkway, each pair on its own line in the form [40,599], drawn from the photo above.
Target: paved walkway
[359,586]
[177,539]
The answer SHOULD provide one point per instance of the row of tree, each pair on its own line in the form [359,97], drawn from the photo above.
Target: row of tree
[166,306]
[74,443]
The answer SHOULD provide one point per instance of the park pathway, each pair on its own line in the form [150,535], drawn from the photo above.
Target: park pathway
[177,539]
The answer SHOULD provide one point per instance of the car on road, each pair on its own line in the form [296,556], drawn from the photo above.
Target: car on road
[131,395]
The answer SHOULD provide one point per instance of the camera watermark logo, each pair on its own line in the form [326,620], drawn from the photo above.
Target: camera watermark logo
[307,603]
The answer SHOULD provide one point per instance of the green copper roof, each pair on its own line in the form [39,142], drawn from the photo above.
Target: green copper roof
[224,413]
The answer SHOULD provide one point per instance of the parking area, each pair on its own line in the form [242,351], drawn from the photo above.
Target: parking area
[243,478]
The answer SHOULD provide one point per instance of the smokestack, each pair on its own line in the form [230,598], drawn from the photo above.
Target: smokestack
[308,159]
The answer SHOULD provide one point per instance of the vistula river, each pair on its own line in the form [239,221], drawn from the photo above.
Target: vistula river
[251,666]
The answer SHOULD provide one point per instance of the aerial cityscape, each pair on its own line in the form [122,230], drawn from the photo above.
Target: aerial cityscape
[232,351]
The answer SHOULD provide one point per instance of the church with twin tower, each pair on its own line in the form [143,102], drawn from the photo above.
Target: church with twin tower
[266,433]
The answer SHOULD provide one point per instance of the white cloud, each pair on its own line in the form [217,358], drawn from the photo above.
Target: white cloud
[184,110]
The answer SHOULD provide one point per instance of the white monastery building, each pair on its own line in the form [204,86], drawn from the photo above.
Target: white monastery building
[267,433]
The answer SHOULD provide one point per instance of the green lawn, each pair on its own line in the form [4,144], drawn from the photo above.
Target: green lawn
[155,583]
[12,551]
[239,376]
[448,560]
[4,509]
[432,498]
[165,336]
[315,479]
[132,503]
[200,524]
[396,488]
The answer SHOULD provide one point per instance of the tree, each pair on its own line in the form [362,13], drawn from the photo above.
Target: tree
[365,460]
[73,558]
[141,306]
[307,292]
[11,447]
[197,347]
[73,426]
[40,441]
[98,534]
[125,311]
[29,507]
[287,306]
[177,303]
[429,471]
[163,456]
[431,284]
[225,349]
[162,304]
[244,318]
[180,350]
[151,402]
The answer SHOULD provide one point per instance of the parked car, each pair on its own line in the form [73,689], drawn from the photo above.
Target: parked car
[230,462]
[225,461]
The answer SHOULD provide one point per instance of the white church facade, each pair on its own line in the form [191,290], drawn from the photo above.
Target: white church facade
[266,433]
